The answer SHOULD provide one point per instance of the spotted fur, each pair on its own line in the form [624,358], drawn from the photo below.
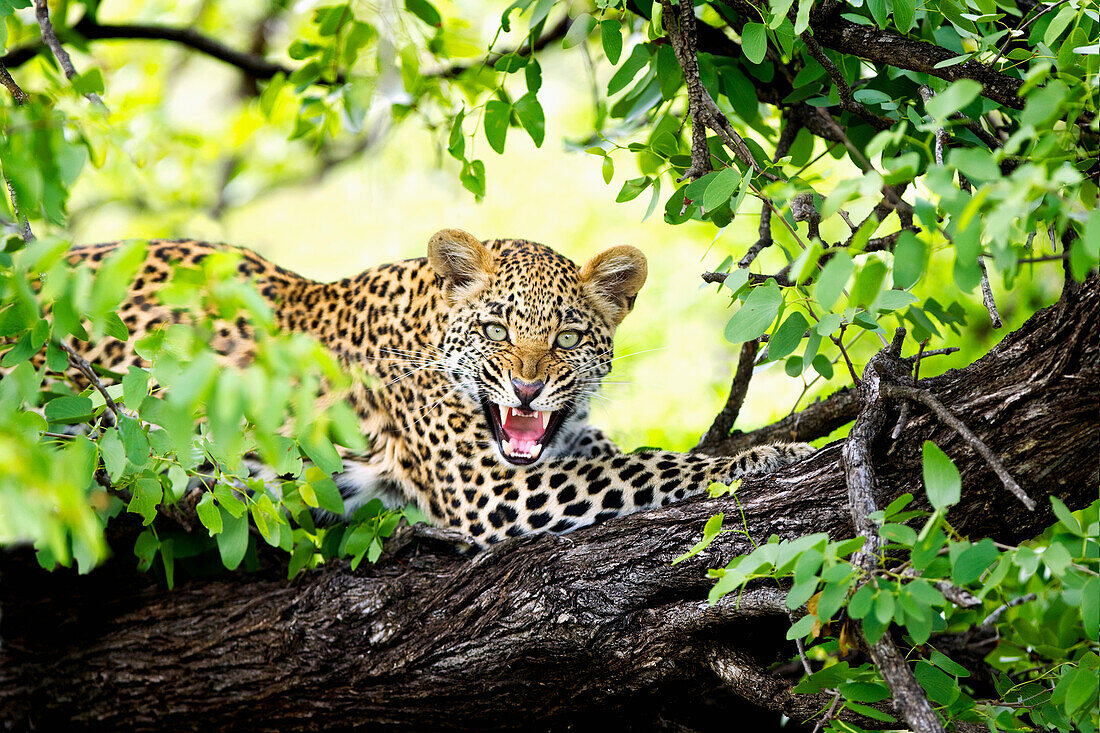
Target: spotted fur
[419,329]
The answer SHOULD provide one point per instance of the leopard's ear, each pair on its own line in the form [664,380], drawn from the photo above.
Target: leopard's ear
[612,279]
[463,262]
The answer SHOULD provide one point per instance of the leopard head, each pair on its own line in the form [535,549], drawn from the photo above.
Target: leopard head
[530,333]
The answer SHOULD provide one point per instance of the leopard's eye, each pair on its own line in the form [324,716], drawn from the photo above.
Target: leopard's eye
[567,339]
[496,332]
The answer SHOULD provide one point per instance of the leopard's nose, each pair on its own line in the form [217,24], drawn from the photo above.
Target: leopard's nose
[527,391]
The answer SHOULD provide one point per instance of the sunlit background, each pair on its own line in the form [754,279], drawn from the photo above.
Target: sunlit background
[165,167]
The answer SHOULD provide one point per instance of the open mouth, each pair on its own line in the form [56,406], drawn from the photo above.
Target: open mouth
[522,434]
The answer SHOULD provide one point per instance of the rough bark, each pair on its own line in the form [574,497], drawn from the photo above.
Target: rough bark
[596,626]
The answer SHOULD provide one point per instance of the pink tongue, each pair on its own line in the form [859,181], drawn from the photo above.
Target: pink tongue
[524,432]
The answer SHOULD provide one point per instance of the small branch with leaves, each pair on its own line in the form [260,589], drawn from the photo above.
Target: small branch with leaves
[49,37]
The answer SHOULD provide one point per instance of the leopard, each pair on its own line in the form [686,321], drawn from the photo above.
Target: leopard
[476,366]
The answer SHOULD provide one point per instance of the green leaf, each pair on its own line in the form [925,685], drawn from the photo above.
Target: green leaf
[233,539]
[1065,517]
[531,117]
[788,336]
[456,141]
[1082,690]
[146,495]
[862,601]
[578,31]
[68,410]
[899,533]
[710,530]
[611,34]
[754,317]
[754,42]
[1090,608]
[878,11]
[1059,24]
[208,513]
[638,58]
[633,188]
[973,561]
[497,114]
[822,366]
[425,11]
[904,11]
[133,440]
[953,98]
[978,165]
[112,453]
[801,627]
[868,283]
[145,549]
[721,188]
[870,712]
[328,495]
[941,478]
[864,691]
[940,687]
[473,177]
[90,82]
[114,327]
[834,276]
[947,664]
[135,386]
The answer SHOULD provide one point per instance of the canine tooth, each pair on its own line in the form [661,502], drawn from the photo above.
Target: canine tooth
[507,446]
[536,450]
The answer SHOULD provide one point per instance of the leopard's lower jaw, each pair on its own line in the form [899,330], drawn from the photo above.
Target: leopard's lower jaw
[522,435]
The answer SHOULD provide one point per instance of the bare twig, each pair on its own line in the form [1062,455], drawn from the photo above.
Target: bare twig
[1044,258]
[959,596]
[81,364]
[943,413]
[16,92]
[917,358]
[847,360]
[20,97]
[926,94]
[781,278]
[828,713]
[764,240]
[680,26]
[803,209]
[992,618]
[49,37]
[21,218]
[725,419]
[847,101]
[987,296]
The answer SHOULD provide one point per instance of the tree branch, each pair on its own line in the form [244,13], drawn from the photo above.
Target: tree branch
[857,457]
[724,421]
[42,13]
[925,398]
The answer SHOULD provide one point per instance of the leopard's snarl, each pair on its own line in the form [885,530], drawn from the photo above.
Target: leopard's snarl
[482,358]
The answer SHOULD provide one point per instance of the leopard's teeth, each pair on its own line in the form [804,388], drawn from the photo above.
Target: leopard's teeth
[507,446]
[536,450]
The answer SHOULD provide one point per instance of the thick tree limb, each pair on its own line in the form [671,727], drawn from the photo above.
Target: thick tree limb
[595,626]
